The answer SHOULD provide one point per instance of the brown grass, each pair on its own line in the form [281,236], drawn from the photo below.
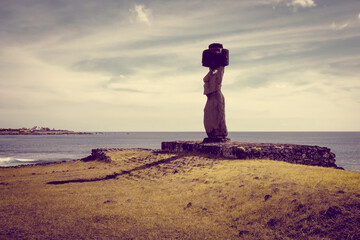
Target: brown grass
[157,195]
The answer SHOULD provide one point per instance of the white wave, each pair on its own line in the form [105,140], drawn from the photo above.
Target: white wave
[25,160]
[13,161]
[6,159]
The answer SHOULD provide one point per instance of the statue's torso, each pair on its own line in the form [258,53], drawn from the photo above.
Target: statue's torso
[212,80]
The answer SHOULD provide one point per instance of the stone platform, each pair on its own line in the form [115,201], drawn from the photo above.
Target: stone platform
[291,153]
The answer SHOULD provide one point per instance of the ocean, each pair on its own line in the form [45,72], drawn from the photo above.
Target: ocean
[29,149]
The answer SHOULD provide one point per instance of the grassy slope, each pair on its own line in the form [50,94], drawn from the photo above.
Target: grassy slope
[159,195]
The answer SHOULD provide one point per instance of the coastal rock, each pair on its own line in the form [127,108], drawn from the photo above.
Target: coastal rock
[291,153]
[99,154]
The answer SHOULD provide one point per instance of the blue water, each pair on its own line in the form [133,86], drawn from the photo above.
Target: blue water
[29,149]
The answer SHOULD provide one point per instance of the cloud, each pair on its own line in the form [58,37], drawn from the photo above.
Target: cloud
[302,3]
[336,26]
[293,3]
[142,13]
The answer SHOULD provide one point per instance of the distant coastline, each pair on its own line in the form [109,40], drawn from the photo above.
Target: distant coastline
[37,131]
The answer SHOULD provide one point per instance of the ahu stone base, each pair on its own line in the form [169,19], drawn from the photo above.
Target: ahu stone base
[291,153]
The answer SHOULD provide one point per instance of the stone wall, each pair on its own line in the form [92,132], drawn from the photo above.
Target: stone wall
[291,153]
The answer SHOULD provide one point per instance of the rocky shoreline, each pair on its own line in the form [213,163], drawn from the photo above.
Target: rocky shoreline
[37,131]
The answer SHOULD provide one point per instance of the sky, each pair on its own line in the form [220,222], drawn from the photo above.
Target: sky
[118,65]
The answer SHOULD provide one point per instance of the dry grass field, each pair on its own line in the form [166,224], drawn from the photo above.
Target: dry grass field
[144,194]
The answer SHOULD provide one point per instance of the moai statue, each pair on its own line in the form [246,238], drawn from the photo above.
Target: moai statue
[215,58]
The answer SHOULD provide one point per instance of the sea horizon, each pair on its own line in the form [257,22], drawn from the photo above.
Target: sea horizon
[29,149]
